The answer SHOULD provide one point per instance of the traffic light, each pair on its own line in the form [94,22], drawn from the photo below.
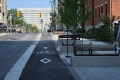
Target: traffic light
[40,14]
[18,13]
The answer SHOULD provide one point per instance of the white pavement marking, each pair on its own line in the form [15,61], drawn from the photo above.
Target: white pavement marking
[41,52]
[44,52]
[45,60]
[17,68]
[45,47]
[38,39]
[9,39]
[47,52]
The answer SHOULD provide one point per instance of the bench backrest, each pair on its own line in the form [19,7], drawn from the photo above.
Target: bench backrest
[94,47]
[83,47]
[69,36]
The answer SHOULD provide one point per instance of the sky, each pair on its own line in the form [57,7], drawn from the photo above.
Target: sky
[14,4]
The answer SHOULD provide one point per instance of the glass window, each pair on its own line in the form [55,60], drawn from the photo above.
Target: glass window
[101,9]
[96,13]
[106,9]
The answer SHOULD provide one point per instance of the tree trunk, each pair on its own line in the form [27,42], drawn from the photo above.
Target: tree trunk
[83,24]
[54,28]
[74,33]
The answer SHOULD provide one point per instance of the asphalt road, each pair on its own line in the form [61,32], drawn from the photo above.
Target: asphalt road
[45,63]
[12,47]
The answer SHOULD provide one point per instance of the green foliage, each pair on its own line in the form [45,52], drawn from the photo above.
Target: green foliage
[81,30]
[15,19]
[83,35]
[107,20]
[72,12]
[84,12]
[20,21]
[106,32]
[31,29]
[103,34]
[54,19]
[89,32]
[68,12]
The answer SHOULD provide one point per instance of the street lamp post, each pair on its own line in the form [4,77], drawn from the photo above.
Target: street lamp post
[10,21]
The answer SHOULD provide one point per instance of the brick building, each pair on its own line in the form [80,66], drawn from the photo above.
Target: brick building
[102,7]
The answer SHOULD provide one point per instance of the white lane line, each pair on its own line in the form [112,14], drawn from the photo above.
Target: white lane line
[9,39]
[45,47]
[38,39]
[17,68]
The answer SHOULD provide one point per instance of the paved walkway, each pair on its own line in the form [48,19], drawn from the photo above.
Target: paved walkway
[92,73]
[45,63]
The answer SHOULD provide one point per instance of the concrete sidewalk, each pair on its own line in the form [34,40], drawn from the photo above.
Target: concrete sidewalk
[91,73]
[2,34]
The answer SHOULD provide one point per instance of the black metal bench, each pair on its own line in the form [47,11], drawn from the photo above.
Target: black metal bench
[76,37]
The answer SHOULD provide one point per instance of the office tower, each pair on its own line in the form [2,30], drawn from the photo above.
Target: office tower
[3,11]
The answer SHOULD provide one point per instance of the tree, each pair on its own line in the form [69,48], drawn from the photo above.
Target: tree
[15,19]
[108,20]
[55,19]
[84,12]
[68,14]
[31,28]
[73,12]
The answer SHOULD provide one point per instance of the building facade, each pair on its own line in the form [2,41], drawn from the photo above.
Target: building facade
[99,7]
[32,16]
[3,11]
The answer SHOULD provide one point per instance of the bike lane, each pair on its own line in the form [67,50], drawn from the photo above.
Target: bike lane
[45,63]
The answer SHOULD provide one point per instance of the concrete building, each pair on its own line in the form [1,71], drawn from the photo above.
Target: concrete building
[99,7]
[31,16]
[3,11]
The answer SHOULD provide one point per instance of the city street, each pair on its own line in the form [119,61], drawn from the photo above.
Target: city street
[12,46]
[60,40]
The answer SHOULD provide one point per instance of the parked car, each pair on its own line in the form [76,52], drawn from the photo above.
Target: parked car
[49,30]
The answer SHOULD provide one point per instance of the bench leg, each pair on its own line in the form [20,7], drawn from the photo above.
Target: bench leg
[74,52]
[90,51]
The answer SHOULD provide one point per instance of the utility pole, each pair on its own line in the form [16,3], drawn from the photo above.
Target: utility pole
[54,2]
[46,18]
[51,13]
[10,21]
[51,6]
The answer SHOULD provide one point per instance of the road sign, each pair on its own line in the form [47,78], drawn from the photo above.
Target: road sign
[41,21]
